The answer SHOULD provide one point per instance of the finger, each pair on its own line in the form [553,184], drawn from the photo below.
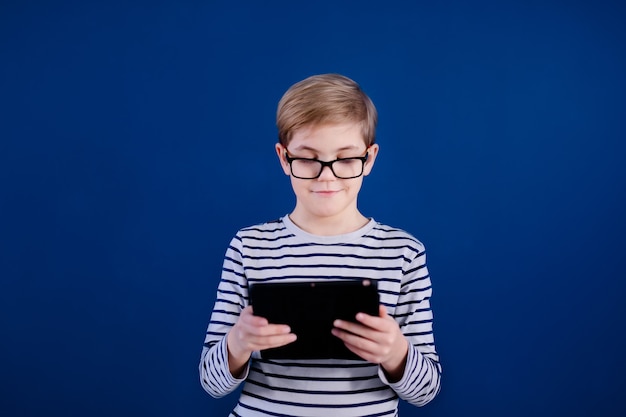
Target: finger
[267,330]
[369,350]
[351,327]
[380,340]
[380,322]
[353,339]
[274,330]
[248,316]
[365,348]
[275,341]
[256,339]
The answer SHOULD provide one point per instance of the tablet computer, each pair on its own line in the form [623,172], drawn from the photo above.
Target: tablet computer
[310,308]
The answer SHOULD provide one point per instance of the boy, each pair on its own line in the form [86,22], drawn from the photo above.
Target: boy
[326,126]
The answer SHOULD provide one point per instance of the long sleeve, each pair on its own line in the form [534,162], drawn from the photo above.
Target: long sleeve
[231,298]
[422,376]
[279,251]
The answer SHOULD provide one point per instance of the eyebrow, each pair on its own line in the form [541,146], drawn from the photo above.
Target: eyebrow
[308,148]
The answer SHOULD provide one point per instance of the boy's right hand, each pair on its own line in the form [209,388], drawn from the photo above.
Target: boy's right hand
[252,333]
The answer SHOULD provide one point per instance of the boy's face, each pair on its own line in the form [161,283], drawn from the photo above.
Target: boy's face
[327,196]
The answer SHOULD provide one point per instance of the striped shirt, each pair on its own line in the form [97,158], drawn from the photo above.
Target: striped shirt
[279,251]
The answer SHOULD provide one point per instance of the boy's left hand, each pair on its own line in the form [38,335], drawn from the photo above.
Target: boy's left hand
[377,340]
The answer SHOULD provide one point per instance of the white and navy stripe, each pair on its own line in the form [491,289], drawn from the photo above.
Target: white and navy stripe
[279,252]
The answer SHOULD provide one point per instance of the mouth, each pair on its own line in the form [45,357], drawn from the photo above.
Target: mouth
[326,192]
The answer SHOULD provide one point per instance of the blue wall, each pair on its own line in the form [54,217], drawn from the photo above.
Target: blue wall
[135,139]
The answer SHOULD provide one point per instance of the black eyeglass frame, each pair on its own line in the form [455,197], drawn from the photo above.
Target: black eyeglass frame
[329,164]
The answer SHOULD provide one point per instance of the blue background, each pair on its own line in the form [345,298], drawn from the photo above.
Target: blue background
[137,137]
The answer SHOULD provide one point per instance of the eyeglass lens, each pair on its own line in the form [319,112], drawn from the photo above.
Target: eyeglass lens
[342,168]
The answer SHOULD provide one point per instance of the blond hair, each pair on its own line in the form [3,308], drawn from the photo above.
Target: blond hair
[325,99]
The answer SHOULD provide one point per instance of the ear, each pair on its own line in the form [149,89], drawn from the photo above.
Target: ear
[372,153]
[280,152]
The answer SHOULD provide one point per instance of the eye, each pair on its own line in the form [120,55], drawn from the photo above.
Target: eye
[307,161]
[348,161]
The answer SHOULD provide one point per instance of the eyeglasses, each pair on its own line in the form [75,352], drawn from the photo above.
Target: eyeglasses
[311,168]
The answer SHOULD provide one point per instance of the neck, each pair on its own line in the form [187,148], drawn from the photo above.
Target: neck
[328,226]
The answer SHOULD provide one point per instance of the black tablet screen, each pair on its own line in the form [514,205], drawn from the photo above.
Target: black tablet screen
[310,308]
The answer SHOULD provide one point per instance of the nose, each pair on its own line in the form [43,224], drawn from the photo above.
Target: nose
[327,174]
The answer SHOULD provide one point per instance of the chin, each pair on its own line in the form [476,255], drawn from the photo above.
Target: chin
[326,212]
